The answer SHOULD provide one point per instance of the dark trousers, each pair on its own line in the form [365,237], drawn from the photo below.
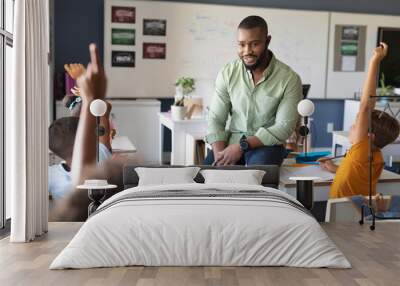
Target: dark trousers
[266,155]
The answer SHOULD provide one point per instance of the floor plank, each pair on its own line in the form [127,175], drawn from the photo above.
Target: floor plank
[374,255]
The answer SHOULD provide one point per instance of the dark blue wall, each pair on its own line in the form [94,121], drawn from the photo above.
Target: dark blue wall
[80,22]
[77,23]
[326,111]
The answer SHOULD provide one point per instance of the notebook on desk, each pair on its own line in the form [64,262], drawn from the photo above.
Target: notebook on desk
[306,171]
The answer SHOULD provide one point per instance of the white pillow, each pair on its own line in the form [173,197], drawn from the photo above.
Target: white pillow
[166,176]
[248,177]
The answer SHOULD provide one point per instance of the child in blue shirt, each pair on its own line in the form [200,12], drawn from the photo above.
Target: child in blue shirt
[61,142]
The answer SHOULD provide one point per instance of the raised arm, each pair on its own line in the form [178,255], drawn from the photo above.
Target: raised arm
[93,86]
[369,89]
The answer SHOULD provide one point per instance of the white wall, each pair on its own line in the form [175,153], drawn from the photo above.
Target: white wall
[344,84]
[202,38]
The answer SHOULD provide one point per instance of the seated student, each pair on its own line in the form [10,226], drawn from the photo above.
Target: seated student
[61,142]
[352,176]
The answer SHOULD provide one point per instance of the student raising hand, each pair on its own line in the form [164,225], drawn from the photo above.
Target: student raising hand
[93,82]
[380,52]
[359,172]
[92,85]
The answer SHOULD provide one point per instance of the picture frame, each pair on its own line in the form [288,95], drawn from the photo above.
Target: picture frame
[123,59]
[123,14]
[121,36]
[350,33]
[154,27]
[154,50]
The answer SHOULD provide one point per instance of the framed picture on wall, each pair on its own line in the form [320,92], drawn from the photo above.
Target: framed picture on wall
[154,27]
[350,33]
[120,14]
[123,36]
[154,50]
[122,59]
[349,48]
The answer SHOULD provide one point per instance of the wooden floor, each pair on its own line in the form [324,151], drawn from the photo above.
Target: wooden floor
[375,257]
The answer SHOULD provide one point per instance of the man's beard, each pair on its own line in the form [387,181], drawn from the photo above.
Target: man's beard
[259,61]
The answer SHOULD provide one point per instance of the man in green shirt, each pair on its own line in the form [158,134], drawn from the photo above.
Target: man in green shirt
[254,107]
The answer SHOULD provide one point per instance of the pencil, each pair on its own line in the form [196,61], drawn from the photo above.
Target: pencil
[331,158]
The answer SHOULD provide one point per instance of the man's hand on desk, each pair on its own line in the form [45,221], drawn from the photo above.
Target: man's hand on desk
[229,156]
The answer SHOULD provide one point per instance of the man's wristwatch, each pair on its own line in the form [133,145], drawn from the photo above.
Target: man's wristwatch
[243,144]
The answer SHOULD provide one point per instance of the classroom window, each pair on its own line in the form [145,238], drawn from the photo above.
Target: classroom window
[9,15]
[6,45]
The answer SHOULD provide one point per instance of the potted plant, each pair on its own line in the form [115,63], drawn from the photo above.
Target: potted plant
[183,87]
[384,89]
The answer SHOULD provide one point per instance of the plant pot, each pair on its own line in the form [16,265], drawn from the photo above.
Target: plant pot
[178,112]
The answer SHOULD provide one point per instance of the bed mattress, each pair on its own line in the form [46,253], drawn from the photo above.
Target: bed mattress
[201,225]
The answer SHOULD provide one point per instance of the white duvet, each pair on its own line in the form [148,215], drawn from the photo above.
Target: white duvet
[190,231]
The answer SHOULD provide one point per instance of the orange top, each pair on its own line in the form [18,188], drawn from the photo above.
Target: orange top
[352,175]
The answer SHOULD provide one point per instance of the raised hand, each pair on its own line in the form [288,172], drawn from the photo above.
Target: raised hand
[93,82]
[327,165]
[380,52]
[74,70]
[75,91]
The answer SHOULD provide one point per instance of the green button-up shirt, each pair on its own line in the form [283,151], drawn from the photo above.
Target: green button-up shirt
[267,110]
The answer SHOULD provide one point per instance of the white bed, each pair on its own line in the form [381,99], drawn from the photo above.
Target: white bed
[225,225]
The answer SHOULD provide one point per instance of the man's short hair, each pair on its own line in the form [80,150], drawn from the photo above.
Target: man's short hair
[252,22]
[62,136]
[385,128]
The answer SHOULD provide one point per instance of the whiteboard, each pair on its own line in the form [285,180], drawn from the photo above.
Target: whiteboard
[201,39]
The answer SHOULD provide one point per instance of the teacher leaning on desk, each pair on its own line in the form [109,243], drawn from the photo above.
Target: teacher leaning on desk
[260,94]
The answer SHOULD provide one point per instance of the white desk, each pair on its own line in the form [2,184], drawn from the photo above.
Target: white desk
[179,129]
[193,151]
[388,184]
[122,144]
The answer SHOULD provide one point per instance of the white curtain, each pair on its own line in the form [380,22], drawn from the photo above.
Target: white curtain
[26,122]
